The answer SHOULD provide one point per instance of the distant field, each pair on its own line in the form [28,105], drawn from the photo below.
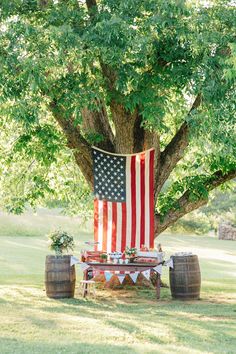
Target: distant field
[37,224]
[125,321]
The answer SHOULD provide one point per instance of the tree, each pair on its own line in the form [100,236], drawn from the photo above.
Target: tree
[124,76]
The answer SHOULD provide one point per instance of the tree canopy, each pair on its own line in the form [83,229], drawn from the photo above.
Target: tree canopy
[123,76]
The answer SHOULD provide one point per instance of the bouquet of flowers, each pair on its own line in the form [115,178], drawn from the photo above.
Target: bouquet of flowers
[60,241]
[130,252]
[103,257]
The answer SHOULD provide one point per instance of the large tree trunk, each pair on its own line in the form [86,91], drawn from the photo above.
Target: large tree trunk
[130,137]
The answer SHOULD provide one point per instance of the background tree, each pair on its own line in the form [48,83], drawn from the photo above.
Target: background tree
[124,76]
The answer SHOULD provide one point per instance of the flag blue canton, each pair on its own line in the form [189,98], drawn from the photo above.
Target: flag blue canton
[109,176]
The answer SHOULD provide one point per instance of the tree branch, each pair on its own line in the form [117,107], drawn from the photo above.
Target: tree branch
[97,122]
[75,141]
[186,204]
[129,133]
[175,150]
[117,109]
[92,8]
[108,73]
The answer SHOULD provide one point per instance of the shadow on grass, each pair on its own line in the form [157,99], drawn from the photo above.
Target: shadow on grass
[12,345]
[213,336]
[198,325]
[136,331]
[137,301]
[187,326]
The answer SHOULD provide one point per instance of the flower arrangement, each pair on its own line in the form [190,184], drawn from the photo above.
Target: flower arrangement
[60,241]
[130,252]
[103,257]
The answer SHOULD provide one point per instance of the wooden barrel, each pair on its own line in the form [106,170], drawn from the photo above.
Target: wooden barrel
[185,278]
[59,277]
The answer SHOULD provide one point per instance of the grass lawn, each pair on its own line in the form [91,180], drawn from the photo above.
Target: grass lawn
[124,321]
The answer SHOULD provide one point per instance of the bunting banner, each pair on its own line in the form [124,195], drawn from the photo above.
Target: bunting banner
[108,275]
[74,260]
[169,263]
[146,273]
[84,266]
[121,278]
[121,274]
[134,276]
[158,269]
[97,272]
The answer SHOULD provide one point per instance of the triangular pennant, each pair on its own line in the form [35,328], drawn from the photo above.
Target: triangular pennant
[158,269]
[134,276]
[96,273]
[84,266]
[108,275]
[121,278]
[160,256]
[169,263]
[74,260]
[146,273]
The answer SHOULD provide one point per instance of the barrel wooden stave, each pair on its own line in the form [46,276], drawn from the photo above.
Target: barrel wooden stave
[60,277]
[185,278]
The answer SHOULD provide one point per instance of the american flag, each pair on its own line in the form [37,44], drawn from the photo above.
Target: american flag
[124,200]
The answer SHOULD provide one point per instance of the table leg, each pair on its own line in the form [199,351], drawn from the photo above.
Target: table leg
[85,292]
[158,286]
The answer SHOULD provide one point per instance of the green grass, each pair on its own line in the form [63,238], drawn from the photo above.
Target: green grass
[37,224]
[124,321]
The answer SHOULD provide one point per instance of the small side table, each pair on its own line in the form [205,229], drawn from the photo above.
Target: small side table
[87,287]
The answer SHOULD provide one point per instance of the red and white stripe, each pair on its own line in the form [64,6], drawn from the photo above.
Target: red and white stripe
[117,225]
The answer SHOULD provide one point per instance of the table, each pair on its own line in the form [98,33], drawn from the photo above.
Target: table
[132,267]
